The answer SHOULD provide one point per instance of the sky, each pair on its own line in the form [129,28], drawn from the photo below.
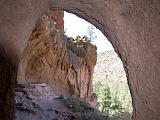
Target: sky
[74,26]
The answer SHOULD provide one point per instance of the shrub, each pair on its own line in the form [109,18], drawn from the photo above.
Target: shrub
[83,110]
[114,99]
[77,105]
[95,115]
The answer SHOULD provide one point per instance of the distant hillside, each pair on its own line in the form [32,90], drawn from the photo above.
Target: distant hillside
[109,68]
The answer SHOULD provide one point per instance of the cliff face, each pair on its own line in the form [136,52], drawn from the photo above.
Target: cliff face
[67,67]
[109,68]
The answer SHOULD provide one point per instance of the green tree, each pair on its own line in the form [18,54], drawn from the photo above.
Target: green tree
[114,99]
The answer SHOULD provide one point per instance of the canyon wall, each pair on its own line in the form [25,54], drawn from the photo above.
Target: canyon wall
[109,69]
[52,58]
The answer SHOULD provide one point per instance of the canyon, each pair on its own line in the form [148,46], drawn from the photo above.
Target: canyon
[132,26]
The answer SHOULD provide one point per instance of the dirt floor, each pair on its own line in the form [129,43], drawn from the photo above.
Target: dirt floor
[38,102]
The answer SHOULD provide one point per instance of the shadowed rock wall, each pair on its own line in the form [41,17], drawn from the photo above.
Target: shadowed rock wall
[132,26]
[8,68]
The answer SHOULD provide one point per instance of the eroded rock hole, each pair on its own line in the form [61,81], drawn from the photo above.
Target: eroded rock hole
[56,74]
[109,78]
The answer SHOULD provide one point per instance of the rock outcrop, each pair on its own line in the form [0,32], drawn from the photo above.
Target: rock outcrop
[51,58]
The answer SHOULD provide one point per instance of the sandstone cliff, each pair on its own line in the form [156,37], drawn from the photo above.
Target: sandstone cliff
[66,66]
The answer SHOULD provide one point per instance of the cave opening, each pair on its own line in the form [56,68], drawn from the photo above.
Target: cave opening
[109,78]
[131,26]
[69,57]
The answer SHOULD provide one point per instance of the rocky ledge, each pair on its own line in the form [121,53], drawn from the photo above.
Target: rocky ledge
[39,102]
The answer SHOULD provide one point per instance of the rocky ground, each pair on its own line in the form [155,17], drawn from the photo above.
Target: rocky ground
[38,102]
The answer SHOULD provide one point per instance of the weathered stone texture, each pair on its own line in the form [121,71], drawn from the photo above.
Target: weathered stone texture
[67,67]
[59,14]
[8,68]
[132,26]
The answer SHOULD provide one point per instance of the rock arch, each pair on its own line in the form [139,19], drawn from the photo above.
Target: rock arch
[132,26]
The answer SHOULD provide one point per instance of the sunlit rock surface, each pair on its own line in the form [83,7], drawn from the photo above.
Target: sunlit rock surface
[66,66]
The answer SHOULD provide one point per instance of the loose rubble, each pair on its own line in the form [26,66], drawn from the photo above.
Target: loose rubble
[38,102]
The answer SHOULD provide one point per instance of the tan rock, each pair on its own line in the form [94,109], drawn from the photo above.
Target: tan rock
[50,58]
